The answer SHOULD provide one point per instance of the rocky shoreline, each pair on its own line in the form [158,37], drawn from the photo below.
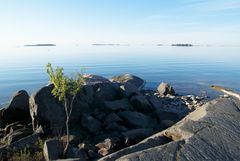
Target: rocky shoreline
[107,116]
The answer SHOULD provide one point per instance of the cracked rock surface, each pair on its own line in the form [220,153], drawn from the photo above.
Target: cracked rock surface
[211,132]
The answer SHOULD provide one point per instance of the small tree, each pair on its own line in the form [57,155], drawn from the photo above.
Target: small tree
[65,89]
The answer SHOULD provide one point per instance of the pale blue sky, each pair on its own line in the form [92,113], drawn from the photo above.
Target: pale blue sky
[119,21]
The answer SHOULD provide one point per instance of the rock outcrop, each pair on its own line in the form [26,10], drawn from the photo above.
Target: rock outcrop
[106,116]
[212,132]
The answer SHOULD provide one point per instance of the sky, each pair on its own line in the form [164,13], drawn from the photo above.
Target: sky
[119,21]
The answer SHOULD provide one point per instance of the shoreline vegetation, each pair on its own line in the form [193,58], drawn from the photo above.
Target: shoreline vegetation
[102,118]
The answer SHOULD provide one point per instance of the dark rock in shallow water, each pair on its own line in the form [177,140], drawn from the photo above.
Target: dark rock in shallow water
[165,88]
[18,108]
[128,78]
[209,133]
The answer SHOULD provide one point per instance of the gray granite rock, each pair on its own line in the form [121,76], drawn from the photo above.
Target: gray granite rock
[165,88]
[129,78]
[212,132]
[94,79]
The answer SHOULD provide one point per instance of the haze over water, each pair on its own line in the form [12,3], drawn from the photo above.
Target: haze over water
[189,69]
[138,26]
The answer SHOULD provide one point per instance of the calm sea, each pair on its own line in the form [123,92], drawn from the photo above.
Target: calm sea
[189,69]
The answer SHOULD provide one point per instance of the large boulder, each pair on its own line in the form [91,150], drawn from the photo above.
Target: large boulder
[18,108]
[53,149]
[47,111]
[106,92]
[86,94]
[129,78]
[117,105]
[156,102]
[135,119]
[165,115]
[165,88]
[29,140]
[16,135]
[129,89]
[115,127]
[111,118]
[79,109]
[74,152]
[92,124]
[140,103]
[94,79]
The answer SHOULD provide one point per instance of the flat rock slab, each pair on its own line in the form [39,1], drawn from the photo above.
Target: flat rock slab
[212,132]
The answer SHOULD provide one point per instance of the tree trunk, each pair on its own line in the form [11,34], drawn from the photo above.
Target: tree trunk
[68,110]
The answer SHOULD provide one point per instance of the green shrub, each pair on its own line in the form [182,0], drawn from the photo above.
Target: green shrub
[23,155]
[63,85]
[65,89]
[40,144]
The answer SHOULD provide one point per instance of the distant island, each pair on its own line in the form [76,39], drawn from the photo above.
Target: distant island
[106,44]
[187,45]
[40,45]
